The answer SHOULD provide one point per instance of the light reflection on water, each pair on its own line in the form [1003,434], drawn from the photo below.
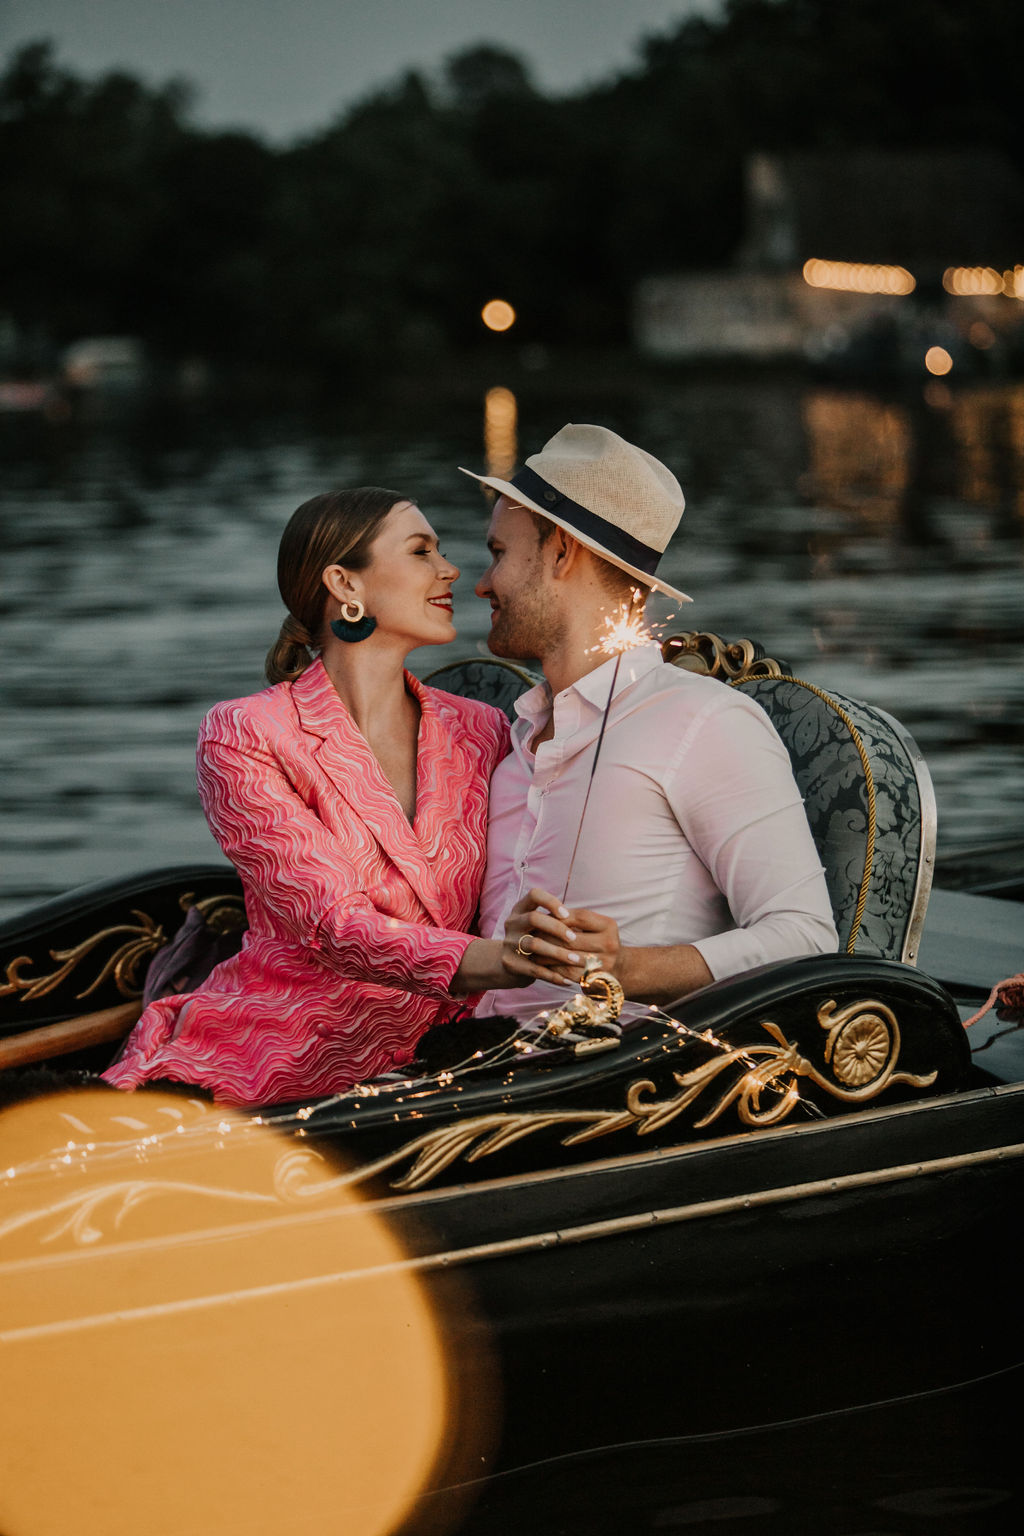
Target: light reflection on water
[875,544]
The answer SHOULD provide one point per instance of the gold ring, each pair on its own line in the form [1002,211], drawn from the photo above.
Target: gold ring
[523,954]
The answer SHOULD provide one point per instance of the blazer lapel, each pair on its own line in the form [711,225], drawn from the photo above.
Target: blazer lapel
[346,758]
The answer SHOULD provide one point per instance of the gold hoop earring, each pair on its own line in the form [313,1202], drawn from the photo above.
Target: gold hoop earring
[355,623]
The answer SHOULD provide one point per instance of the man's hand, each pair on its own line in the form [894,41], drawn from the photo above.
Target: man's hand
[656,974]
[597,935]
[537,946]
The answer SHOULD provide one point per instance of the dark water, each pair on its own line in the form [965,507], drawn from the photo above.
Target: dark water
[875,544]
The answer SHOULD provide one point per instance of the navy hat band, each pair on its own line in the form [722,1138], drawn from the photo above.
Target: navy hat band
[613,539]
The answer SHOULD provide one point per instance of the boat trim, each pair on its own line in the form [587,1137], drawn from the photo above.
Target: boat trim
[590,1232]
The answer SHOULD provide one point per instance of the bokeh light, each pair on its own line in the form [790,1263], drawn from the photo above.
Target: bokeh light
[974,281]
[204,1327]
[858,277]
[498,315]
[981,335]
[938,361]
[501,443]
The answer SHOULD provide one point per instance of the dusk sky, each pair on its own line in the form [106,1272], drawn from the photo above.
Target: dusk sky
[284,68]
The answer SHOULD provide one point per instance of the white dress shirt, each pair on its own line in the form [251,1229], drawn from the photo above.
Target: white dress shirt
[694,832]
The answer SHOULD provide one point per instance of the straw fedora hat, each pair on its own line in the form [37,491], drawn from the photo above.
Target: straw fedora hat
[619,501]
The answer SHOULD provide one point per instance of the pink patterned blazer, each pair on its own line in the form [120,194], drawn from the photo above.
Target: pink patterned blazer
[357,920]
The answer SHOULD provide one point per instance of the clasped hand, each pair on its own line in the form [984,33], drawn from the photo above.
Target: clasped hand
[547,941]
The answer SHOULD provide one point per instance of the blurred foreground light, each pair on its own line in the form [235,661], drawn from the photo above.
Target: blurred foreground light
[858,277]
[203,1327]
[938,361]
[501,445]
[498,315]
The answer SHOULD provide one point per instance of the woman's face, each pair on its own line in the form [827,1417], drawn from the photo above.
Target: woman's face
[407,586]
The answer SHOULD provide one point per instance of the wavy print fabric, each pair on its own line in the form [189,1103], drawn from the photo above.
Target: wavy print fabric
[357,920]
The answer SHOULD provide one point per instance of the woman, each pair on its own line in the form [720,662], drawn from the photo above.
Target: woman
[352,800]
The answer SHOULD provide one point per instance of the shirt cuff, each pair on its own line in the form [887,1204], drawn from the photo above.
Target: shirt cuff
[740,949]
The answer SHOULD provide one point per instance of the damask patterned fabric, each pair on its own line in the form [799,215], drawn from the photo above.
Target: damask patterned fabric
[837,797]
[492,681]
[357,920]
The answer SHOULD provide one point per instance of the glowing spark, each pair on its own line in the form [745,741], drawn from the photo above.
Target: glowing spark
[626,630]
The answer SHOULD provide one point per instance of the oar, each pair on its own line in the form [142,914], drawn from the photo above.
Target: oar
[69,1035]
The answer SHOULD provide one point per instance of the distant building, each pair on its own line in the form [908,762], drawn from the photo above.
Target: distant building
[834,246]
[112,364]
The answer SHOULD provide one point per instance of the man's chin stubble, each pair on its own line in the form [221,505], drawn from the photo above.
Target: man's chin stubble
[500,645]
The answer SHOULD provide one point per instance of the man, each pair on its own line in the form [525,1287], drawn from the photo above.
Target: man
[693,844]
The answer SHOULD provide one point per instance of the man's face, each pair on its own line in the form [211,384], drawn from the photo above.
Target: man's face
[524,625]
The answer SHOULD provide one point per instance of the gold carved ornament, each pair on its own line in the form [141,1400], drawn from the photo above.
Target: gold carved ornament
[862,1047]
[592,1013]
[734,661]
[141,941]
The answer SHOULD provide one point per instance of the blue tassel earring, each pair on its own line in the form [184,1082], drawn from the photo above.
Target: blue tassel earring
[355,623]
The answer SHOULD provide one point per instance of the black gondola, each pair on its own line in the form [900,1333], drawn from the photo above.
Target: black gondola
[766,1206]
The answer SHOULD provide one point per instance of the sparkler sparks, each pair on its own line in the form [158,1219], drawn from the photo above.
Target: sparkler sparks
[626,630]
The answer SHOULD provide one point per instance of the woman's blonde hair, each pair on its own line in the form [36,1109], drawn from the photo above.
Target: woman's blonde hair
[336,528]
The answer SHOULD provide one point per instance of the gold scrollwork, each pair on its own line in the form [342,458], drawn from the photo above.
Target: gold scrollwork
[863,1042]
[223,913]
[735,661]
[862,1049]
[597,1004]
[82,1218]
[143,940]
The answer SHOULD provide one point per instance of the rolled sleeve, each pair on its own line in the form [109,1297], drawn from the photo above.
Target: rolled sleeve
[733,792]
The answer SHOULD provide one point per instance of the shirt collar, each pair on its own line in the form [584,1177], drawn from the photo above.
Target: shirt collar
[636,663]
[535,705]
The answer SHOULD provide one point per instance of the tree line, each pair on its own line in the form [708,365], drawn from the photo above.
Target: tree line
[377,238]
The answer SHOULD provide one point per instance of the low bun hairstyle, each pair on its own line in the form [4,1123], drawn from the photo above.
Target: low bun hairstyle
[336,528]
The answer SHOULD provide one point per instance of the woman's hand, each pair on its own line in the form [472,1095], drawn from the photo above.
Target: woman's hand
[538,946]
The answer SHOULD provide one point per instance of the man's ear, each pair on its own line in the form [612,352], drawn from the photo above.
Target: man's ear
[565,553]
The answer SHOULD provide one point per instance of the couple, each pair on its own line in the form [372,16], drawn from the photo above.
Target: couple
[353,800]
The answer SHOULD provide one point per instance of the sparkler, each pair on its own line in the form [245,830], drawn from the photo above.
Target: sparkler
[623,632]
